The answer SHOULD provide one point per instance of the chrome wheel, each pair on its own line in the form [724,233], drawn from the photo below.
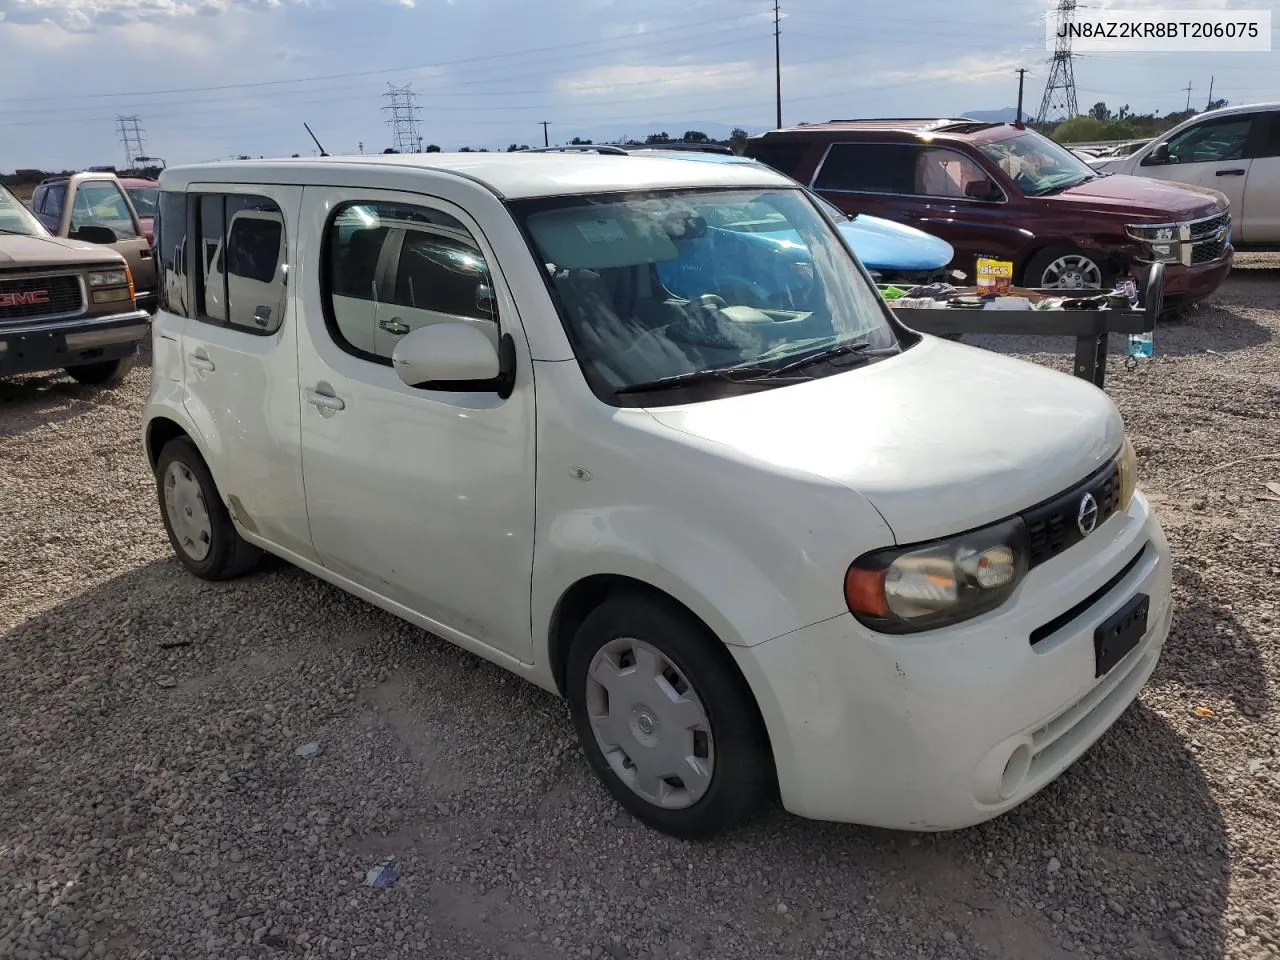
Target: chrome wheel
[187,511]
[1073,271]
[650,724]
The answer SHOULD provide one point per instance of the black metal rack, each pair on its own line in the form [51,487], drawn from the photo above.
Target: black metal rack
[1091,328]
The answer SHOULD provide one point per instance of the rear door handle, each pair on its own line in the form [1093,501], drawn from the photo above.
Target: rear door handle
[324,401]
[394,326]
[203,364]
[1234,172]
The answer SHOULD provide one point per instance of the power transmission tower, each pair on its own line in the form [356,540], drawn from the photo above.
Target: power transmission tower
[131,137]
[402,102]
[1060,91]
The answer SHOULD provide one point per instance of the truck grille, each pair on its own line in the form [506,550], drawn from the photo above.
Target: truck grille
[33,298]
[1054,524]
[1209,238]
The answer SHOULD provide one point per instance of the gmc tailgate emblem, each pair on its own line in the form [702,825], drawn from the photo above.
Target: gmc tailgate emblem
[19,299]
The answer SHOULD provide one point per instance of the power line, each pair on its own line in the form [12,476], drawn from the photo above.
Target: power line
[403,104]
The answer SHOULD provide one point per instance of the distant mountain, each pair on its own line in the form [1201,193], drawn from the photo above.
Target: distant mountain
[1003,115]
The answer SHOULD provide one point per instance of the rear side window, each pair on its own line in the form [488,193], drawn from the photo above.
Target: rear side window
[869,168]
[171,251]
[783,156]
[241,268]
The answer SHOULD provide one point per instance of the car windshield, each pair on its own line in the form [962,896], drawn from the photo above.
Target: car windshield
[144,200]
[15,218]
[1037,164]
[710,288]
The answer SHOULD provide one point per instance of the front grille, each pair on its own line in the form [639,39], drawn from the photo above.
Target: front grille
[1054,524]
[1209,238]
[31,298]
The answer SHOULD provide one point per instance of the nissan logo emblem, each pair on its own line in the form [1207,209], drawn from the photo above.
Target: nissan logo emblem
[1087,515]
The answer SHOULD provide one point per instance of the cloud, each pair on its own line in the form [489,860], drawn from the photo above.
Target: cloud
[86,16]
[669,78]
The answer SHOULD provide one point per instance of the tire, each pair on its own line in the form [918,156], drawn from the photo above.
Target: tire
[1039,268]
[695,668]
[107,373]
[225,553]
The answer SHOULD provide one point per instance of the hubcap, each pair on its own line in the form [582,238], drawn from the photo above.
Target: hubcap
[1072,272]
[650,723]
[188,515]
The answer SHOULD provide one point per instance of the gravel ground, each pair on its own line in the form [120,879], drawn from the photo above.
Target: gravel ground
[152,804]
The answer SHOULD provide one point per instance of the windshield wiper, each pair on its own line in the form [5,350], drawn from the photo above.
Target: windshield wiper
[1067,186]
[749,373]
[860,349]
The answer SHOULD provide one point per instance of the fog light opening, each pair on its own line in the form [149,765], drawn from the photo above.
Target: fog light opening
[1015,771]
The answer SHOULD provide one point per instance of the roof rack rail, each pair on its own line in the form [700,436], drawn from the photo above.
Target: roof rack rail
[579,148]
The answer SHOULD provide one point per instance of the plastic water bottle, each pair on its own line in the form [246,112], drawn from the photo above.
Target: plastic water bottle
[1141,345]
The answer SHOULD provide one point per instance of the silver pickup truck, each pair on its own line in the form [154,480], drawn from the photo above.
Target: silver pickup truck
[64,304]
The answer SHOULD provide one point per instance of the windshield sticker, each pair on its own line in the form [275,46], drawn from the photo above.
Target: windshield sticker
[602,231]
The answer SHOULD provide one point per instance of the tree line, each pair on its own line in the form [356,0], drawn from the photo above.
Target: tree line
[1100,123]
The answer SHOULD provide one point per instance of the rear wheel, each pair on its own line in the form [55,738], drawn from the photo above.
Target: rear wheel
[107,373]
[665,719]
[199,526]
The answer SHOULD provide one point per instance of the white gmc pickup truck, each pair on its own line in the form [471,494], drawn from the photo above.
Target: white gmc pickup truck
[572,415]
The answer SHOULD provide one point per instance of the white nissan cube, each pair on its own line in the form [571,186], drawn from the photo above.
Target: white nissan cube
[644,433]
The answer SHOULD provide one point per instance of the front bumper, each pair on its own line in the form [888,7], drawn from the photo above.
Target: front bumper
[1183,284]
[35,347]
[950,728]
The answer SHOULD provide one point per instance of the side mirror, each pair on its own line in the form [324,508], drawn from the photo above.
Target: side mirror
[1157,157]
[94,234]
[981,190]
[455,357]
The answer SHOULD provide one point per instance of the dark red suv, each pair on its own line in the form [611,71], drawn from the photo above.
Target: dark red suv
[999,189]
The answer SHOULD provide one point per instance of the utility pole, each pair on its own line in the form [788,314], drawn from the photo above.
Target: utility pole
[361,146]
[1209,103]
[1188,96]
[131,137]
[403,104]
[1062,79]
[1022,72]
[546,142]
[777,61]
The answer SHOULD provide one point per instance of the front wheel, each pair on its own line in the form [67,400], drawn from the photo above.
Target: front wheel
[1068,268]
[107,373]
[666,721]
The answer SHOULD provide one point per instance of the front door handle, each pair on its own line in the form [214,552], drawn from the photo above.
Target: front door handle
[1233,172]
[324,401]
[203,364]
[394,326]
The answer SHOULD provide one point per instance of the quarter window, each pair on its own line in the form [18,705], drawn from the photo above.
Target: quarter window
[242,268]
[391,268]
[171,252]
[869,168]
[99,203]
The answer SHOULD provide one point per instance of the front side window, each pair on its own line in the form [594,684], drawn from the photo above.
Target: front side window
[99,203]
[950,174]
[391,268]
[1036,164]
[242,264]
[16,218]
[868,168]
[712,292]
[1212,141]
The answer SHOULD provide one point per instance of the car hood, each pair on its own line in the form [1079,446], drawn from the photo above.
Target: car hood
[1142,196]
[885,245]
[27,253]
[940,439]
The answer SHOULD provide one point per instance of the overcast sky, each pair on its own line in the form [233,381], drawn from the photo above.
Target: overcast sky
[215,78]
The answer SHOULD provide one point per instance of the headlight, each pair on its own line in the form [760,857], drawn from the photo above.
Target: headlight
[923,587]
[1163,234]
[1127,466]
[109,278]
